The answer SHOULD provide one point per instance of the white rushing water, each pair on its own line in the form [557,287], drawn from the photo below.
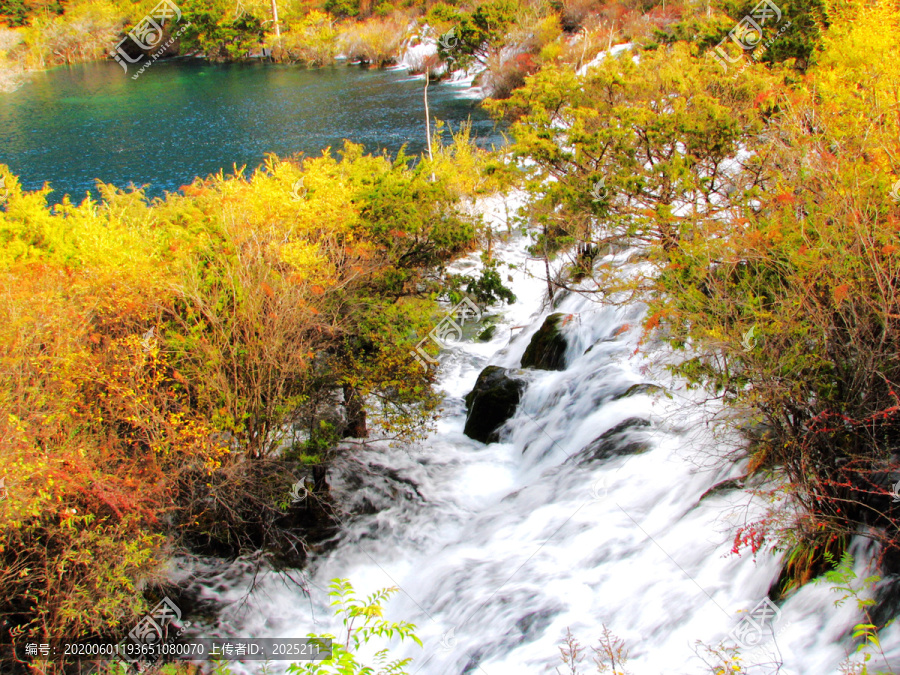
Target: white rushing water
[499,549]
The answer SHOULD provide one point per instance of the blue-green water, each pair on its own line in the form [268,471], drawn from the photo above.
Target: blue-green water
[184,118]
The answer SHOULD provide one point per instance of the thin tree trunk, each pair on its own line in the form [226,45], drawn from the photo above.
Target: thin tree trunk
[547,267]
[549,282]
[356,413]
[275,18]
[428,118]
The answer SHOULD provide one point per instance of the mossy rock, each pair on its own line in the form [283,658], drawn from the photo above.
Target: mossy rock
[547,349]
[487,334]
[491,403]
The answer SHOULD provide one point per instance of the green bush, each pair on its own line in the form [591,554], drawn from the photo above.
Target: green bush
[362,624]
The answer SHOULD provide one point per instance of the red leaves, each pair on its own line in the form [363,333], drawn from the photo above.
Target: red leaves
[786,198]
[653,321]
[761,97]
[841,292]
[753,535]
[525,62]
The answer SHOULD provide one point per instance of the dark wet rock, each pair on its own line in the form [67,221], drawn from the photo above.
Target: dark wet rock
[622,439]
[638,390]
[725,486]
[547,349]
[887,594]
[535,623]
[491,403]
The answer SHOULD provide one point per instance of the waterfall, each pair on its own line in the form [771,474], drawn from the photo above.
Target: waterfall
[499,549]
[417,49]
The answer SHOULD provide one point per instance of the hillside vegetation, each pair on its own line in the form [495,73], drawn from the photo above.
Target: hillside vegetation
[505,40]
[171,368]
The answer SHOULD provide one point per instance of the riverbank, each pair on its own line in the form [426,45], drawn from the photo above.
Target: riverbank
[89,31]
[211,349]
[499,43]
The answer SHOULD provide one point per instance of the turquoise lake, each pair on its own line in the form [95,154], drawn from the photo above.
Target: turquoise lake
[183,118]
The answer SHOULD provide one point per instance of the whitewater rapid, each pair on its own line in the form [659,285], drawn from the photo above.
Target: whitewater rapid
[499,549]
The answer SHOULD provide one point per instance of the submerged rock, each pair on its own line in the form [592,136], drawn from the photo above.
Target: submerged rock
[547,349]
[639,389]
[491,403]
[725,486]
[487,334]
[620,440]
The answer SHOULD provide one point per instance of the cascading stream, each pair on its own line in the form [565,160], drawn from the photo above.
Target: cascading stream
[499,549]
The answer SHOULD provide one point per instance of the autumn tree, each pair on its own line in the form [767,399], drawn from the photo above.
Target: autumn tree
[640,149]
